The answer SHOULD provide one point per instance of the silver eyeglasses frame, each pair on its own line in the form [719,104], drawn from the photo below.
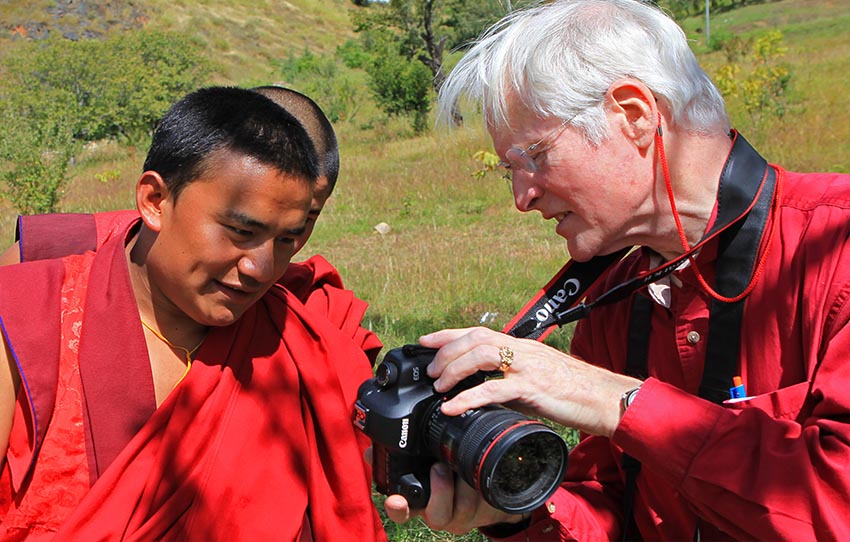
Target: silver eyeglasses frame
[517,158]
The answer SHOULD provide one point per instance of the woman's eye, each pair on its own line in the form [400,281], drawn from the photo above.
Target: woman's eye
[240,231]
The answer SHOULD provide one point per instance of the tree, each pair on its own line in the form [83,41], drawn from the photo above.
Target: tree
[681,9]
[422,29]
[57,93]
[113,88]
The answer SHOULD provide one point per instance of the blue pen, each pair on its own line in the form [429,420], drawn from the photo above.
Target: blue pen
[737,391]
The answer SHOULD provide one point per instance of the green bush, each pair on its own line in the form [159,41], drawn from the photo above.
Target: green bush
[754,74]
[115,88]
[36,158]
[59,92]
[401,86]
[327,81]
[352,54]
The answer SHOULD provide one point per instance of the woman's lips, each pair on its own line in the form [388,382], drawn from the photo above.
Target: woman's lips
[235,292]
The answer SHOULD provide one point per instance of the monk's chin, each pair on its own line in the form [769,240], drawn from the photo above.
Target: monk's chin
[221,317]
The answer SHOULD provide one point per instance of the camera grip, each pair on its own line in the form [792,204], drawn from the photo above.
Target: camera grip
[400,474]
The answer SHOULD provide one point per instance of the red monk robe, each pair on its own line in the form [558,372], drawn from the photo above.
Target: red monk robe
[256,436]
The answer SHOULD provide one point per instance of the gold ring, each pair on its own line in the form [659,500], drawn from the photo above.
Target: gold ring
[506,357]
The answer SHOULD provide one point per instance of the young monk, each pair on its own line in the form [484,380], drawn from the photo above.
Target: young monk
[314,281]
[165,388]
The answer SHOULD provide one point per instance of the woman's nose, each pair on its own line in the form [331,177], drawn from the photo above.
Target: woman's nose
[526,191]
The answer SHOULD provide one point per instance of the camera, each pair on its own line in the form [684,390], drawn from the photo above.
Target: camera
[515,462]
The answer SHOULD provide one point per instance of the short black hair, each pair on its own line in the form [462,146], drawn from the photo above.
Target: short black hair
[314,120]
[213,119]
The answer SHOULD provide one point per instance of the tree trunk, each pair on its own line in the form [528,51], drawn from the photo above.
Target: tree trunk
[434,58]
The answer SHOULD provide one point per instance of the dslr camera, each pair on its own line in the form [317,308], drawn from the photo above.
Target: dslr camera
[515,462]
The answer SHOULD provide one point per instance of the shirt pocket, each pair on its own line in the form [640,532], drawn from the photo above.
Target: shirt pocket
[785,403]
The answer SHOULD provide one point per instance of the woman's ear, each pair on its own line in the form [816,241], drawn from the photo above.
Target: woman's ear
[151,196]
[638,109]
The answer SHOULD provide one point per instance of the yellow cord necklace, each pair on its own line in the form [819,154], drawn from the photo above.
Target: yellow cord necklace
[173,346]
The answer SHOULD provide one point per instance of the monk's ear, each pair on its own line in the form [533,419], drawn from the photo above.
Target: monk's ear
[636,110]
[151,197]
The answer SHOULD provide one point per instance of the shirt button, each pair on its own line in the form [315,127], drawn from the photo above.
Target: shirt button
[547,529]
[693,337]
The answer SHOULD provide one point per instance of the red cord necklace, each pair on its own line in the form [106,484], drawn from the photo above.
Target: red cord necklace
[681,231]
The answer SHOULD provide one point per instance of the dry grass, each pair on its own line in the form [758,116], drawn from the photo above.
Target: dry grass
[457,248]
[244,36]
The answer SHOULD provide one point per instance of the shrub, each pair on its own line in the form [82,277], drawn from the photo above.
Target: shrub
[36,157]
[330,83]
[114,88]
[761,88]
[401,86]
[58,92]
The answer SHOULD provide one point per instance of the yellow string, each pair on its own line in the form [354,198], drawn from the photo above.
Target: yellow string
[173,346]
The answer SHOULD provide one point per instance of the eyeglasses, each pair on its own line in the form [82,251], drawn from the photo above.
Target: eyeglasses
[520,159]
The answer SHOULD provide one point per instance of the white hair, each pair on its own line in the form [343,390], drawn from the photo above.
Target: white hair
[559,59]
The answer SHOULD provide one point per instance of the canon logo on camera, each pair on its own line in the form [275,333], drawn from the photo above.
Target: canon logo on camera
[405,424]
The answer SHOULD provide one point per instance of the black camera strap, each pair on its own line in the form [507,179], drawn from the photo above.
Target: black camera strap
[736,259]
[561,294]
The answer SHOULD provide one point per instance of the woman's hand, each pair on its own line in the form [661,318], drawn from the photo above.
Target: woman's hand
[540,380]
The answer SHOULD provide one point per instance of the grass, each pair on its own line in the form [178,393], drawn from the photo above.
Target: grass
[457,249]
[446,260]
[244,36]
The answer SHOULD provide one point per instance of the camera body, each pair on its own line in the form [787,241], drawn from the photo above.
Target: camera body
[513,461]
[390,409]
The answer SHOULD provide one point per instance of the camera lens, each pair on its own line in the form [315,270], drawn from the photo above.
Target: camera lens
[515,462]
[530,469]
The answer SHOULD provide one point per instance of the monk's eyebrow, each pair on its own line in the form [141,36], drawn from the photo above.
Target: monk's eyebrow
[245,220]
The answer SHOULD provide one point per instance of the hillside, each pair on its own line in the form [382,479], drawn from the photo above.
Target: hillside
[240,36]
[433,268]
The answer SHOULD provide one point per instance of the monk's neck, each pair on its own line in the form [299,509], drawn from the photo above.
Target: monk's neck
[158,313]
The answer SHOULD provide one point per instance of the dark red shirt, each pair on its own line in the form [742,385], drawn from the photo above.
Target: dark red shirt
[773,467]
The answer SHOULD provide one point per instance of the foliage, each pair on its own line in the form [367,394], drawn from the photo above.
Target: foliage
[687,8]
[401,87]
[763,87]
[37,159]
[59,91]
[420,30]
[327,80]
[115,88]
[453,22]
[352,54]
[464,20]
[489,162]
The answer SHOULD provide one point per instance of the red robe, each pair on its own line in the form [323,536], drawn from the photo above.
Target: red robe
[256,435]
